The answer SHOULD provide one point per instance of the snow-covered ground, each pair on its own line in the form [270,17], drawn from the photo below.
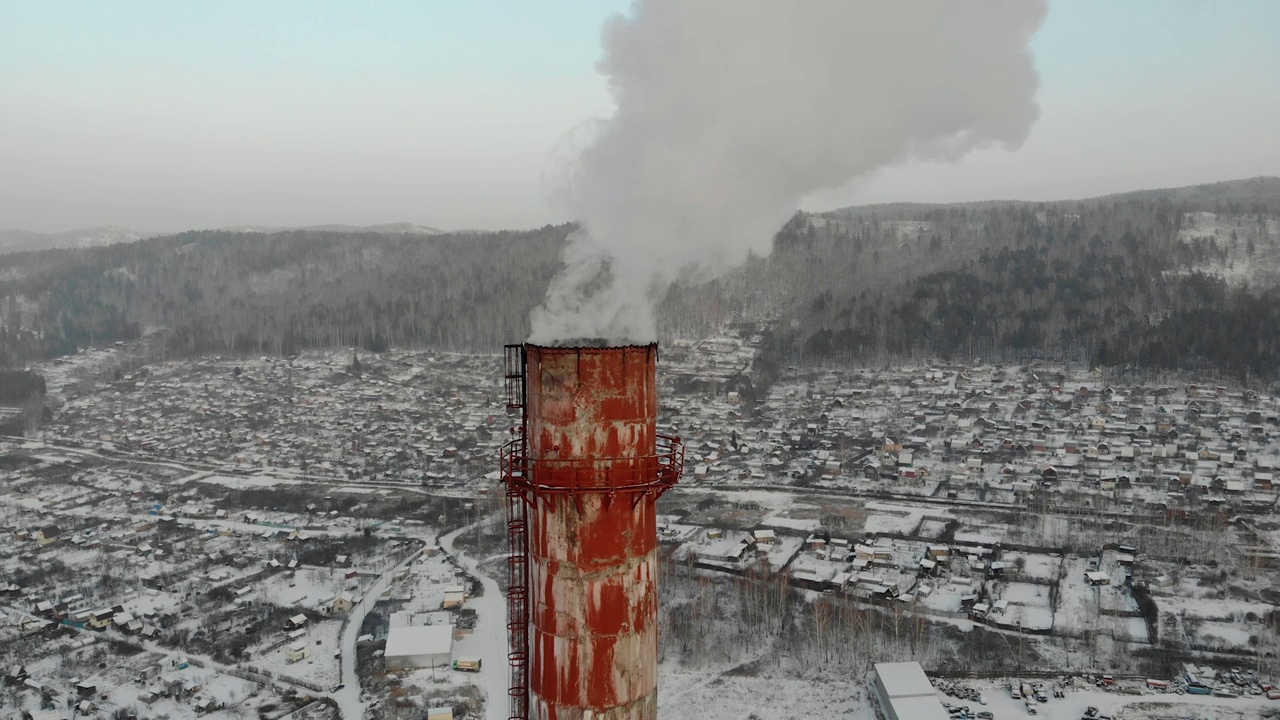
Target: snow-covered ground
[901,519]
[1028,606]
[321,668]
[1129,707]
[700,696]
[1034,565]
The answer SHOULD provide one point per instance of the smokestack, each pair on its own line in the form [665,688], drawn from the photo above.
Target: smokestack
[583,479]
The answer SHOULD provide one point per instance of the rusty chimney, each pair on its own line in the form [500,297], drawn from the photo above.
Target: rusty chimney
[583,475]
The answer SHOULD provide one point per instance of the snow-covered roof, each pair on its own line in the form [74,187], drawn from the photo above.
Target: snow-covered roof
[909,691]
[421,640]
[904,679]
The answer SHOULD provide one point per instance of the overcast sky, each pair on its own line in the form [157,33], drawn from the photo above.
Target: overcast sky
[173,115]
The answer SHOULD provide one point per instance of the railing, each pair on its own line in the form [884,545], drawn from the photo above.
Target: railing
[513,375]
[642,474]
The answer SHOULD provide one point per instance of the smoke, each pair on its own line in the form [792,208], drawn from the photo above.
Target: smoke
[729,112]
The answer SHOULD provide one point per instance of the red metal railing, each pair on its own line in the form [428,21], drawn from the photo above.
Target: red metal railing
[644,474]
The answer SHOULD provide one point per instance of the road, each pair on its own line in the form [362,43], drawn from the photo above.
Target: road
[489,640]
[350,704]
[466,492]
[218,468]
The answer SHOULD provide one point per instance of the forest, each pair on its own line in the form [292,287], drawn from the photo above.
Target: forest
[1182,279]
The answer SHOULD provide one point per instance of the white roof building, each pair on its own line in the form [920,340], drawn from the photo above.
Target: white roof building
[421,646]
[905,692]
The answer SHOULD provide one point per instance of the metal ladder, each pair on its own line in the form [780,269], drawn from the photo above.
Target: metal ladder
[518,604]
[513,475]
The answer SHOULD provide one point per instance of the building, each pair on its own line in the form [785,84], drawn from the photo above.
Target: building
[454,596]
[299,651]
[419,647]
[905,693]
[47,534]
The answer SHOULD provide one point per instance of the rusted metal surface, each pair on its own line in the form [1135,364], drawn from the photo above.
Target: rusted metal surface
[591,465]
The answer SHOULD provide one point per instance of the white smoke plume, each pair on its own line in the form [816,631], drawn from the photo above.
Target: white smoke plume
[729,112]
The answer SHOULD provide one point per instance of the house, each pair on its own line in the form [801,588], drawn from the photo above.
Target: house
[724,550]
[440,713]
[101,619]
[342,603]
[296,622]
[47,534]
[298,651]
[1097,578]
[454,596]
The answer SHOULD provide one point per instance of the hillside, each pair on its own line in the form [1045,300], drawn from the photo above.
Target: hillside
[1183,278]
[25,240]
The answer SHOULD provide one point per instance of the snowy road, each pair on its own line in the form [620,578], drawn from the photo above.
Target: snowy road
[350,705]
[489,641]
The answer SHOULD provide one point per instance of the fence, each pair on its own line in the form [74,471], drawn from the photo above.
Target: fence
[266,677]
[1021,674]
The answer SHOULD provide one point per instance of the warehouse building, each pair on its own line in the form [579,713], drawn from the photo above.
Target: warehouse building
[905,692]
[423,646]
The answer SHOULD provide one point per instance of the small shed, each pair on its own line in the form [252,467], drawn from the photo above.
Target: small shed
[298,651]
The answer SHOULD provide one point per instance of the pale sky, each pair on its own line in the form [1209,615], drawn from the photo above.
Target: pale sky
[174,115]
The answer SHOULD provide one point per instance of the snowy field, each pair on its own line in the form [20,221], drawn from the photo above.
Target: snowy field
[948,596]
[1034,565]
[901,519]
[806,518]
[1028,606]
[321,668]
[1212,608]
[696,696]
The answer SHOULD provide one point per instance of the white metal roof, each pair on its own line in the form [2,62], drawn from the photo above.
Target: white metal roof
[918,708]
[904,679]
[421,640]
